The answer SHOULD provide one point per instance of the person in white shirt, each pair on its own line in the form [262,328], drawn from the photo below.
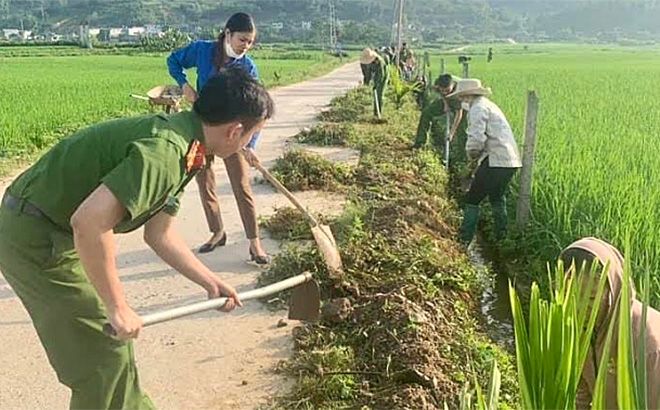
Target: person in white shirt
[493,156]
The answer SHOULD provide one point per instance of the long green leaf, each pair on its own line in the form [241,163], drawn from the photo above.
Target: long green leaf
[599,397]
[640,371]
[494,387]
[626,379]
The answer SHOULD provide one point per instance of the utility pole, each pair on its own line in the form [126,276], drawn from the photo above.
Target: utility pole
[333,24]
[399,33]
[395,10]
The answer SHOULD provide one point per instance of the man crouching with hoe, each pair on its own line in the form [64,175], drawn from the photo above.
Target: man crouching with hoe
[58,219]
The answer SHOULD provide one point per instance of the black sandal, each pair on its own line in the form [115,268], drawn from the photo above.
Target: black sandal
[208,247]
[259,260]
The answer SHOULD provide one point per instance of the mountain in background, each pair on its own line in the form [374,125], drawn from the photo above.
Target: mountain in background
[362,21]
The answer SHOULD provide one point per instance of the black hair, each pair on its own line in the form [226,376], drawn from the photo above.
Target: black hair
[444,80]
[234,95]
[237,23]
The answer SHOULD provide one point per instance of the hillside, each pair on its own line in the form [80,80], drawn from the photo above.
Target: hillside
[363,20]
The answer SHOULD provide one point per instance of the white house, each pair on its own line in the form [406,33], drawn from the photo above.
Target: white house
[137,31]
[10,32]
[306,25]
[277,26]
[152,29]
[116,32]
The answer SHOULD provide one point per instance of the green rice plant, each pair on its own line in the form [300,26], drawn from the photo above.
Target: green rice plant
[475,398]
[552,346]
[64,93]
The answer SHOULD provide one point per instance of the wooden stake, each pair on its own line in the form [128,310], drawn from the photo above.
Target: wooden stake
[524,195]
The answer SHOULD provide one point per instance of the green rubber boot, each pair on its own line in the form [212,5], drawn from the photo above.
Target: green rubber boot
[499,218]
[469,226]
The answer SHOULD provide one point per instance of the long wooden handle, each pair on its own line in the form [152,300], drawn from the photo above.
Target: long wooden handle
[447,134]
[187,310]
[377,104]
[140,97]
[286,193]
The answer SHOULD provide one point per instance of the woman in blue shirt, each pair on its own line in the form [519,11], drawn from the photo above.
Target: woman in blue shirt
[208,57]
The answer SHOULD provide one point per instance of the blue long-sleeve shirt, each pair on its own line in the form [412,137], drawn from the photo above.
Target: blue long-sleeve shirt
[200,54]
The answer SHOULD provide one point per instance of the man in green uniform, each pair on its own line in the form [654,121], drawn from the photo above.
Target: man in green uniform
[379,75]
[58,219]
[435,111]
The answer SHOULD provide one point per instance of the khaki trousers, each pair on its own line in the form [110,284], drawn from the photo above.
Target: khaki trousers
[239,177]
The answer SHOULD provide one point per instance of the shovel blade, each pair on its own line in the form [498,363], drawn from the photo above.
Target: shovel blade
[328,247]
[305,302]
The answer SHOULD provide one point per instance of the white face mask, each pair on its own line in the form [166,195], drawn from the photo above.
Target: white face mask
[230,50]
[465,105]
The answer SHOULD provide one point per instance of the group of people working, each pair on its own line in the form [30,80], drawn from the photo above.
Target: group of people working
[59,217]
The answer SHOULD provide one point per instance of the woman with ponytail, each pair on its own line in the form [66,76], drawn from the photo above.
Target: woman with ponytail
[208,57]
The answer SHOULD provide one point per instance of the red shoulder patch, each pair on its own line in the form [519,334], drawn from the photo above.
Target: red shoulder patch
[196,157]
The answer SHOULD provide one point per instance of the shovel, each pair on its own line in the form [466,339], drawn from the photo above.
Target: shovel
[322,234]
[304,303]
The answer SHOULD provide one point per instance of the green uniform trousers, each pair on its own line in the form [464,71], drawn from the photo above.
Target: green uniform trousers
[39,262]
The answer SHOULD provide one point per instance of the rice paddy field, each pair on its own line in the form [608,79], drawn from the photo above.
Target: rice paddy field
[48,92]
[597,170]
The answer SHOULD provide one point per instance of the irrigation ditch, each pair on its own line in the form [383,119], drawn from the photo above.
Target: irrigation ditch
[406,327]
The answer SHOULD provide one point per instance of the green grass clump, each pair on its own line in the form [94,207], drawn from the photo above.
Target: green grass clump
[287,224]
[349,108]
[302,171]
[327,134]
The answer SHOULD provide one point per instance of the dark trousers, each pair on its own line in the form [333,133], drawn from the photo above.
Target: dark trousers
[489,182]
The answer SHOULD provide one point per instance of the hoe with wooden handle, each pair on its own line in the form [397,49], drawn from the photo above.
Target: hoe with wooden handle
[322,233]
[304,303]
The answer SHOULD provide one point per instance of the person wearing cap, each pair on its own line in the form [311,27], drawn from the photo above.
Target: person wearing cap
[579,258]
[435,111]
[378,68]
[59,217]
[208,57]
[492,154]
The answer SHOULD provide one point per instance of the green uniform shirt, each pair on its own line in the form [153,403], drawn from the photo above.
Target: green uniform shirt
[380,74]
[142,160]
[432,111]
